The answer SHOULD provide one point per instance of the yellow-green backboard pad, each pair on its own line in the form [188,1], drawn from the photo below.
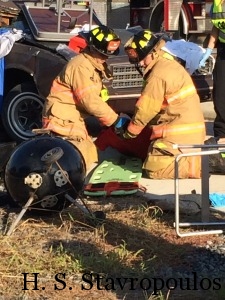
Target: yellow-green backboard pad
[118,176]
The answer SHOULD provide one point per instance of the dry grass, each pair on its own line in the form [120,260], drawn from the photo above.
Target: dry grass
[135,241]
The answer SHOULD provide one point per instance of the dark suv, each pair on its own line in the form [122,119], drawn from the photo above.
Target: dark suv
[34,61]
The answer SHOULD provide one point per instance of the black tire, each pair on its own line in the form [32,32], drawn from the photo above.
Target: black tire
[157,21]
[21,111]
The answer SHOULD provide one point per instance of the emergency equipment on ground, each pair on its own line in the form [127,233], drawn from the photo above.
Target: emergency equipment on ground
[115,176]
[47,168]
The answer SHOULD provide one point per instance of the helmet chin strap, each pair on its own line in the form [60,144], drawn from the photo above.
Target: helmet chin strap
[137,67]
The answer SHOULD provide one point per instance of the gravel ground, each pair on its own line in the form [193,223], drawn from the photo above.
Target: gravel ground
[207,261]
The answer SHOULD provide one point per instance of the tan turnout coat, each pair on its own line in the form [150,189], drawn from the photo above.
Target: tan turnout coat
[169,104]
[74,95]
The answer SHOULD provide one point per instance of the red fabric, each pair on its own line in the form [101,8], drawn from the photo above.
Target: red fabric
[137,147]
[77,43]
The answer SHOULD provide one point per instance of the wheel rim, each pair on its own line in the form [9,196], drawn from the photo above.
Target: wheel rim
[24,114]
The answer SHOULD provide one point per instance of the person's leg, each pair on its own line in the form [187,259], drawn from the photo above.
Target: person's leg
[160,162]
[76,134]
[219,95]
[87,149]
[216,161]
[188,167]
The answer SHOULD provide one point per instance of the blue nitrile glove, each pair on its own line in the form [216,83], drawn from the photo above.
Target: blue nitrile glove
[205,56]
[217,199]
[121,125]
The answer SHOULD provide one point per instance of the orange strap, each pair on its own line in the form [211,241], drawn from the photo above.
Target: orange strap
[112,186]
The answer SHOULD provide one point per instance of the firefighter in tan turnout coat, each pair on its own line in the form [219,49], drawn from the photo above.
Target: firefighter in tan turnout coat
[78,92]
[169,104]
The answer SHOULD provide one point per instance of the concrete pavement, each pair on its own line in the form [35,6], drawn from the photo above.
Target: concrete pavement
[208,110]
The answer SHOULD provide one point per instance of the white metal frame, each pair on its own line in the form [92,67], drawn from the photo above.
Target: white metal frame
[205,205]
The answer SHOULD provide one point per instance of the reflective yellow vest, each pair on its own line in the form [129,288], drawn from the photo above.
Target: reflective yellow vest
[218,18]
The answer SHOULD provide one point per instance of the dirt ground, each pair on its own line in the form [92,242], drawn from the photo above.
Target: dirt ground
[63,255]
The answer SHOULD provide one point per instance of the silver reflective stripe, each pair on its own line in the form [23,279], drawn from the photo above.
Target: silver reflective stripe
[222,35]
[218,15]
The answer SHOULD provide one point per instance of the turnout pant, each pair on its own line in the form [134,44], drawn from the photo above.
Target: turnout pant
[219,92]
[88,150]
[160,162]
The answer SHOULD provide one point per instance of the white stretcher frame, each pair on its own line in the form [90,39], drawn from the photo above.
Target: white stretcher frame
[205,205]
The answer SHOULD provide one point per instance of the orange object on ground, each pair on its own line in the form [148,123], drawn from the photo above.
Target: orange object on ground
[113,188]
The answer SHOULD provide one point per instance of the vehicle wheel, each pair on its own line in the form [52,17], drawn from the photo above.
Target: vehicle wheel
[21,111]
[157,22]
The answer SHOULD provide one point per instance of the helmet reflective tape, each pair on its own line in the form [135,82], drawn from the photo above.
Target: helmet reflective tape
[133,45]
[109,37]
[143,43]
[95,31]
[147,35]
[100,36]
[105,40]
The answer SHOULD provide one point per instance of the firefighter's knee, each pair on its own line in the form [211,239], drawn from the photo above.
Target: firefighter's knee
[163,167]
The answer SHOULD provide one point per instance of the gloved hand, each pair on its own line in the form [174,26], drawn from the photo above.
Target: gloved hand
[18,34]
[205,56]
[121,125]
[127,135]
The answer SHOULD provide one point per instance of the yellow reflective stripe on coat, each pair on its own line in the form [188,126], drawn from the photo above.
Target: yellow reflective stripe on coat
[168,56]
[104,94]
[161,145]
[168,130]
[183,93]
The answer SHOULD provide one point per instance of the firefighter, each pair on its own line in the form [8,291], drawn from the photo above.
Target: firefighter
[217,38]
[78,92]
[169,105]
